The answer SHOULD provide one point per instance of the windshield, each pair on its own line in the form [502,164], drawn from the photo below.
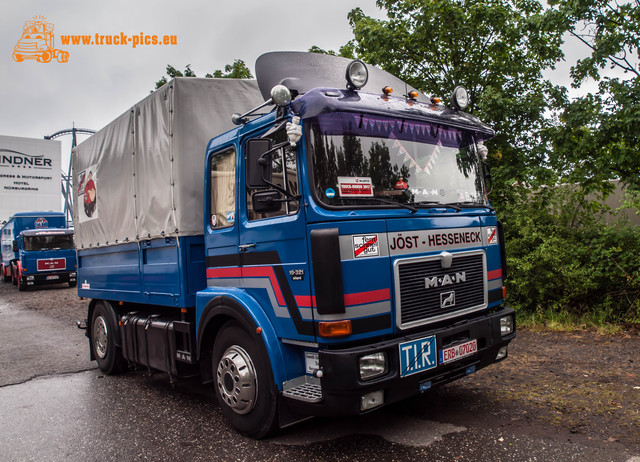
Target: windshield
[359,159]
[48,242]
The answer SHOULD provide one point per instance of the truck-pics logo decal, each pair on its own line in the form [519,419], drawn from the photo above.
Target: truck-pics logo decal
[366,246]
[38,42]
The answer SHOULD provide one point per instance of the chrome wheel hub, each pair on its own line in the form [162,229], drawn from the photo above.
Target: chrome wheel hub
[236,380]
[100,339]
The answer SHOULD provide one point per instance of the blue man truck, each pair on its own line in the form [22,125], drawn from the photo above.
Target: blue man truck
[37,248]
[330,252]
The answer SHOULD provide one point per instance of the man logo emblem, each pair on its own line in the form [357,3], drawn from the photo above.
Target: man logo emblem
[447,299]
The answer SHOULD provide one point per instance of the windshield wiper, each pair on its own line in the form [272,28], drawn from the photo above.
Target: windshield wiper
[471,205]
[386,201]
[436,205]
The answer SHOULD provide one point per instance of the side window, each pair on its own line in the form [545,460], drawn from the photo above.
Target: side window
[223,189]
[284,164]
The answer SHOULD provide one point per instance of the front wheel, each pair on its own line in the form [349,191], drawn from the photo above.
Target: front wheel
[72,283]
[244,383]
[5,277]
[22,285]
[103,340]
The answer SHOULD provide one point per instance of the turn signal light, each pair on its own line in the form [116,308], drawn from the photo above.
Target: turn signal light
[334,328]
[504,292]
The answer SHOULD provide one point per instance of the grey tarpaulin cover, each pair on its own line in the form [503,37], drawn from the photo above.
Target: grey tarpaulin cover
[141,176]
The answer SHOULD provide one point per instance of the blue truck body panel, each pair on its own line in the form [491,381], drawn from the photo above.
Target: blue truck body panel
[165,272]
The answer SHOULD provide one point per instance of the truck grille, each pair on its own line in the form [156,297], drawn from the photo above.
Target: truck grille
[427,292]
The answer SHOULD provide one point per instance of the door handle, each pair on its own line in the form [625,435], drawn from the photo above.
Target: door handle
[244,247]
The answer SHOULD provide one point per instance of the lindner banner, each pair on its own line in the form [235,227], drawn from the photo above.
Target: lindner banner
[29,175]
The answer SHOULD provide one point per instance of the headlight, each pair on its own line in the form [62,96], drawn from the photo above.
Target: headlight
[357,75]
[373,365]
[460,98]
[506,325]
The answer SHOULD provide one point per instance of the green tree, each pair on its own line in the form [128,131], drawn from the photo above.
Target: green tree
[237,70]
[497,49]
[598,135]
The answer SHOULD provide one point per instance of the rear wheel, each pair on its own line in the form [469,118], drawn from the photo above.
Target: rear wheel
[244,383]
[103,340]
[14,277]
[5,277]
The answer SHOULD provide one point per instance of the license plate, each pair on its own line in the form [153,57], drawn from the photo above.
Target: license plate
[50,278]
[459,351]
[51,264]
[417,356]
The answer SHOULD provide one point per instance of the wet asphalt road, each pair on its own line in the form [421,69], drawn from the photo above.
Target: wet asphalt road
[56,405]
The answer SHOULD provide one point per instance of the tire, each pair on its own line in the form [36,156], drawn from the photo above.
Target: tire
[22,285]
[6,278]
[239,359]
[14,278]
[18,57]
[45,57]
[73,283]
[103,340]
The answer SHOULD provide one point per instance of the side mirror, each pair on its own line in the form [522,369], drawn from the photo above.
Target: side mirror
[14,245]
[267,201]
[258,169]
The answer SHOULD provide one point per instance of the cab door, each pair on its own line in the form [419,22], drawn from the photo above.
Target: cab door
[275,267]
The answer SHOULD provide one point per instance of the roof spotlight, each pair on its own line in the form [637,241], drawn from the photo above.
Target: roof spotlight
[357,75]
[460,98]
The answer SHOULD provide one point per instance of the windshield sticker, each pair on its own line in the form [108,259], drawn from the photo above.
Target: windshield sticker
[355,186]
[231,217]
[330,193]
[366,246]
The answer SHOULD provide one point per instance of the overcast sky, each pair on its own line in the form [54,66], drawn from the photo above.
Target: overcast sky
[98,83]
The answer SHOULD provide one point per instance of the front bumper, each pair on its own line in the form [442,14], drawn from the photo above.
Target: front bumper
[56,277]
[343,390]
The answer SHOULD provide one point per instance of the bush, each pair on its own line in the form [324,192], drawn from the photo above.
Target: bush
[563,259]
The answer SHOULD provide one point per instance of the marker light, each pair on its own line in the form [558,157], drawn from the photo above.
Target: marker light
[435,100]
[413,94]
[387,90]
[334,328]
[357,75]
[460,98]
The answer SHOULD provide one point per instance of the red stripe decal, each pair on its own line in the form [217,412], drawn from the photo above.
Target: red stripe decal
[249,272]
[305,301]
[360,298]
[372,296]
[265,271]
[495,274]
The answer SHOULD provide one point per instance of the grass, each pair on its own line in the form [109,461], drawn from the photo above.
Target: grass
[564,321]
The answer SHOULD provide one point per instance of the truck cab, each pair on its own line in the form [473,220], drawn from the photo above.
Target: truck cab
[369,245]
[38,249]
